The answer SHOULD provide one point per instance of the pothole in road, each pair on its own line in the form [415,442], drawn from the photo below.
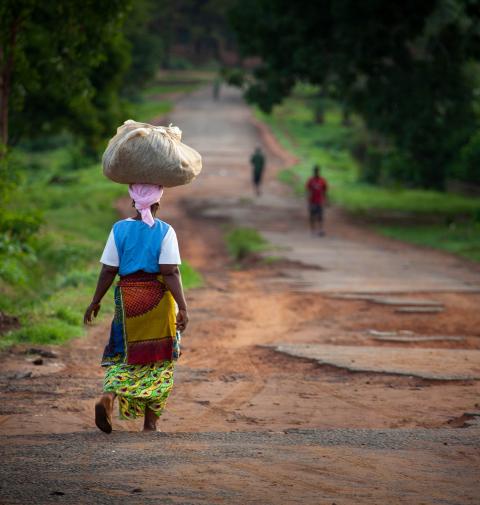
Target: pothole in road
[419,310]
[466,420]
[432,364]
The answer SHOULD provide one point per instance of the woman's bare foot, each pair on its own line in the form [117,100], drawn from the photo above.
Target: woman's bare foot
[103,412]
[150,422]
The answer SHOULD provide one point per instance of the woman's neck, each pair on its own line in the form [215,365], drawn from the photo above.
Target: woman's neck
[138,217]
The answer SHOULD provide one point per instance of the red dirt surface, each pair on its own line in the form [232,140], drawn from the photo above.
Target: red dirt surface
[246,424]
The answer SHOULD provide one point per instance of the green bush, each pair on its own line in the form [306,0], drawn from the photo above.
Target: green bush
[13,270]
[45,143]
[371,168]
[76,278]
[467,169]
[242,242]
[65,256]
[20,226]
[52,331]
[233,76]
[68,315]
[191,278]
[399,170]
[17,251]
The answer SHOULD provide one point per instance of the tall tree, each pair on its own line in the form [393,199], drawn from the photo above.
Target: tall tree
[147,43]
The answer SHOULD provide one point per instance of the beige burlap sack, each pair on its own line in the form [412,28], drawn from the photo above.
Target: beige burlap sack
[143,153]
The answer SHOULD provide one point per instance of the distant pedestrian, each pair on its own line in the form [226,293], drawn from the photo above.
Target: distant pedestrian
[317,197]
[258,166]
[217,83]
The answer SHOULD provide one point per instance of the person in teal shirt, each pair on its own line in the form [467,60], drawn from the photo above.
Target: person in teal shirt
[257,161]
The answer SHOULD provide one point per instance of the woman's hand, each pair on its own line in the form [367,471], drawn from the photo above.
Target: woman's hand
[91,312]
[182,319]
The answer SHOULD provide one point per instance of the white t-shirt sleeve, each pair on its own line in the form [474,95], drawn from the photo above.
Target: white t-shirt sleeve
[169,253]
[110,253]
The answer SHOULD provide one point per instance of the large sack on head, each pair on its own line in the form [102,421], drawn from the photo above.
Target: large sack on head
[143,153]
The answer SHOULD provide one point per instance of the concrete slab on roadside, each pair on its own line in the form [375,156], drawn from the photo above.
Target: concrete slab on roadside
[408,336]
[389,300]
[350,266]
[420,338]
[434,364]
[410,302]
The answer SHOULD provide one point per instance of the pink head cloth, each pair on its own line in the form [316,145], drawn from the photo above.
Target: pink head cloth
[145,195]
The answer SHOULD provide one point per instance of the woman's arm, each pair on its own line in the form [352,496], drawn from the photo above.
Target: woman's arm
[173,279]
[105,280]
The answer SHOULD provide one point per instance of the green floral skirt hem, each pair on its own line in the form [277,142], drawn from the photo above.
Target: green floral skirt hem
[140,386]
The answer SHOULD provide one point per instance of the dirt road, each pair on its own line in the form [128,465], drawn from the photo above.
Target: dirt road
[370,414]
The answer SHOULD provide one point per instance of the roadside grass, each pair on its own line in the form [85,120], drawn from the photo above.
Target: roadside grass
[149,109]
[59,283]
[167,88]
[241,242]
[191,278]
[330,145]
[459,239]
[177,77]
[49,286]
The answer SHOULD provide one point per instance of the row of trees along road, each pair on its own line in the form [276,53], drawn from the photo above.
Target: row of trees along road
[410,69]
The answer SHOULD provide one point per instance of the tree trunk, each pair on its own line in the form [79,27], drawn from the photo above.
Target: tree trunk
[4,111]
[319,115]
[168,41]
[346,119]
[167,49]
[3,104]
[6,71]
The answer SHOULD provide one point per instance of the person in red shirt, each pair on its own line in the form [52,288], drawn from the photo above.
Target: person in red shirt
[317,197]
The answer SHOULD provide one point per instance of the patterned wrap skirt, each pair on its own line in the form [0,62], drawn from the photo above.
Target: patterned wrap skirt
[143,345]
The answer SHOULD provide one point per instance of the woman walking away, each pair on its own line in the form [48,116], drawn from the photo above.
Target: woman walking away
[145,332]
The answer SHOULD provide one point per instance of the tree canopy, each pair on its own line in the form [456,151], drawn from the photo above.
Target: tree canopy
[61,64]
[408,68]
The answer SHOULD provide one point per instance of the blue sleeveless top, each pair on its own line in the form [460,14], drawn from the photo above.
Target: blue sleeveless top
[138,245]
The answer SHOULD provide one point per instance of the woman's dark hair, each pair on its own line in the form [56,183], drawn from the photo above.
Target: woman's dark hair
[154,208]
